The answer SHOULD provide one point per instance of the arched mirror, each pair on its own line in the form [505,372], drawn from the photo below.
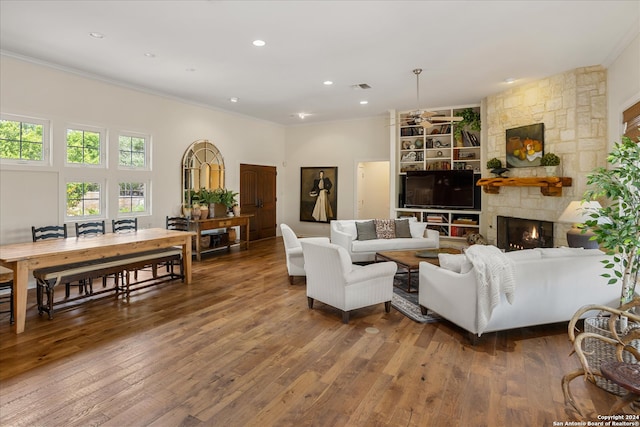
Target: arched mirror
[202,167]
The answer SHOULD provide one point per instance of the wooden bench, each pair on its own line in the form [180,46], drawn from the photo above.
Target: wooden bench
[47,278]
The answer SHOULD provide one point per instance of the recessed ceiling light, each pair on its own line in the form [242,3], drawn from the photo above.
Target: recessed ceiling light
[234,99]
[302,115]
[327,83]
[259,43]
[509,80]
[364,102]
[96,35]
[150,55]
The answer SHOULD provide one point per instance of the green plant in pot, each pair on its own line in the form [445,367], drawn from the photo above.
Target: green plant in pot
[470,122]
[550,161]
[495,166]
[617,225]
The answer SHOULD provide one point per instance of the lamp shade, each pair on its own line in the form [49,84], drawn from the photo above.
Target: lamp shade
[578,212]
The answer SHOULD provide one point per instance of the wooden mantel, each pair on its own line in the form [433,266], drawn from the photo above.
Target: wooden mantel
[549,186]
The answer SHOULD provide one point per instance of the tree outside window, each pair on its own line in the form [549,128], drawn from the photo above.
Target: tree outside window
[83,147]
[83,199]
[132,151]
[21,140]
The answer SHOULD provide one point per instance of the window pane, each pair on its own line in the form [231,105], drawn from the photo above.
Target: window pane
[10,149]
[83,147]
[137,159]
[83,199]
[74,154]
[21,140]
[135,149]
[132,197]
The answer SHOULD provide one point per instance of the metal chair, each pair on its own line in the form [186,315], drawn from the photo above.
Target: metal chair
[6,291]
[57,232]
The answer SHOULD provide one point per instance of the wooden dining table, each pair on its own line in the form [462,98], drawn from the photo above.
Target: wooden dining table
[25,257]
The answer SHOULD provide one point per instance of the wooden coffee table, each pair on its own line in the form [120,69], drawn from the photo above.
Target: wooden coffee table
[409,261]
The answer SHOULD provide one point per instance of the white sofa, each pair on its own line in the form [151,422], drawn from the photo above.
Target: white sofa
[344,233]
[550,286]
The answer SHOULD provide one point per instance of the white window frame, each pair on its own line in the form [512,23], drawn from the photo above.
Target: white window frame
[147,151]
[103,146]
[102,201]
[46,141]
[147,198]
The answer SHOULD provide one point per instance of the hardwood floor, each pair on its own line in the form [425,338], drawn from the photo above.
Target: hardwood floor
[240,347]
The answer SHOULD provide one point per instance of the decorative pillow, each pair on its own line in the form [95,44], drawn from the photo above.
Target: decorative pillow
[402,228]
[417,228]
[385,228]
[458,263]
[366,230]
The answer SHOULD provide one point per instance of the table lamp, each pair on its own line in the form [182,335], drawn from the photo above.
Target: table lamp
[576,214]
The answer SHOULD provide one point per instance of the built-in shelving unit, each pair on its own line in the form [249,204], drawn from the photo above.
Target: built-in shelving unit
[435,148]
[449,223]
[549,186]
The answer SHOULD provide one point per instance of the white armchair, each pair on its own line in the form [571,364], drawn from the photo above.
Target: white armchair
[334,280]
[293,251]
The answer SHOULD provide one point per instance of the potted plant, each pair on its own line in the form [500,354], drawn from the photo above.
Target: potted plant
[470,122]
[495,166]
[617,230]
[617,225]
[550,161]
[228,198]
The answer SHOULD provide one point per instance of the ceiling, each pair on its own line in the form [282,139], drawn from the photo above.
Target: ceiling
[203,53]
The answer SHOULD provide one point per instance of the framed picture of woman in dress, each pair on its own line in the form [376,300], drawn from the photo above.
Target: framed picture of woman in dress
[318,193]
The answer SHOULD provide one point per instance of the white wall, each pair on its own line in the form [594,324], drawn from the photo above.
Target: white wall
[623,85]
[35,196]
[342,144]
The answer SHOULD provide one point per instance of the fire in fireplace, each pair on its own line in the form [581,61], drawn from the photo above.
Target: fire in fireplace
[515,234]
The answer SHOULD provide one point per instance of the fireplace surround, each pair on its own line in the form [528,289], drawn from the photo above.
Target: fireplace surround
[519,233]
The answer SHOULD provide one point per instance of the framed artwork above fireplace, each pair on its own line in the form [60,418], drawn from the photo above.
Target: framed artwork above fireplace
[525,146]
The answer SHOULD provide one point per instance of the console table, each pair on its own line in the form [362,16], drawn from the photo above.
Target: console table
[201,225]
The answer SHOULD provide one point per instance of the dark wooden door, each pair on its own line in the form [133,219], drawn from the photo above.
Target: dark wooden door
[258,198]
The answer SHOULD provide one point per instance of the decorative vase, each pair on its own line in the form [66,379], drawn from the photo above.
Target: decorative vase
[186,212]
[204,211]
[236,210]
[551,170]
[219,210]
[195,212]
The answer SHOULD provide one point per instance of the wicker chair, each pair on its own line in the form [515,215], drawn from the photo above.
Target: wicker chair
[607,345]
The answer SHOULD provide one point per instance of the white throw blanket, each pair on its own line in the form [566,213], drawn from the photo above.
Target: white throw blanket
[495,276]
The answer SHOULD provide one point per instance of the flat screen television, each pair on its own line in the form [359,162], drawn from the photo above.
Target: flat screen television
[440,189]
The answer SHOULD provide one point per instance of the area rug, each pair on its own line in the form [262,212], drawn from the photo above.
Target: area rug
[407,303]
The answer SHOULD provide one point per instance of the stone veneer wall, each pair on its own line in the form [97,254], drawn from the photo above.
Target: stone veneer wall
[573,108]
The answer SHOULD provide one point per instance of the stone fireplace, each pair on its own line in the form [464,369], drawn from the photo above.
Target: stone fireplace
[573,107]
[515,234]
